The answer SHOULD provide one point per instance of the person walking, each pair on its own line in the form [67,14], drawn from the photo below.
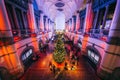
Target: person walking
[50,65]
[54,69]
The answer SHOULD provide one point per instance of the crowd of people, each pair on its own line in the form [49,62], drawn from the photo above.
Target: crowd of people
[72,54]
[53,68]
[70,64]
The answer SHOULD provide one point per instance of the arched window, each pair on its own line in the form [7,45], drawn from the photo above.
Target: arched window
[93,56]
[27,57]
[27,54]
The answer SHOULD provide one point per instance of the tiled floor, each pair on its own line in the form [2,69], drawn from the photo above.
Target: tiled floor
[40,71]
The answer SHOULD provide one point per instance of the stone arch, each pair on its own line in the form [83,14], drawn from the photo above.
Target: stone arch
[26,56]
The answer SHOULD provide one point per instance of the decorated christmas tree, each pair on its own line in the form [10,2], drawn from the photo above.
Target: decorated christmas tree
[59,52]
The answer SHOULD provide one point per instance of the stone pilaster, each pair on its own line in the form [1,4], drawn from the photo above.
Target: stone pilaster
[70,24]
[41,21]
[4,21]
[77,22]
[74,22]
[45,21]
[6,36]
[89,17]
[31,17]
[112,52]
[105,16]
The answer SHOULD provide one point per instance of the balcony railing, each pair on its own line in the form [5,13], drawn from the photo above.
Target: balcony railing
[99,33]
[17,35]
[5,37]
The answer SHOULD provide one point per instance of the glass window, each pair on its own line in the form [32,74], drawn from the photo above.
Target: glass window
[27,54]
[11,15]
[30,51]
[26,20]
[97,58]
[109,16]
[92,54]
[89,53]
[23,57]
[82,23]
[37,22]
[100,18]
[20,20]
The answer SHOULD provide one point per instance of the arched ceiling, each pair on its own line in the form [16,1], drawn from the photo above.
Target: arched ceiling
[68,7]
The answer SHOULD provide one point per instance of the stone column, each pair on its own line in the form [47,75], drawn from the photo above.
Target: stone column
[9,58]
[5,27]
[45,20]
[67,26]
[52,27]
[48,25]
[105,16]
[96,18]
[111,60]
[41,21]
[16,22]
[31,16]
[72,24]
[87,25]
[89,16]
[77,22]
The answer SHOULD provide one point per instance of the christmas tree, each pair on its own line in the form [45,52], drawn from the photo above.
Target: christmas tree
[59,52]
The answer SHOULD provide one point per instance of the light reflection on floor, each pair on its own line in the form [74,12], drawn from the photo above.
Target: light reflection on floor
[40,70]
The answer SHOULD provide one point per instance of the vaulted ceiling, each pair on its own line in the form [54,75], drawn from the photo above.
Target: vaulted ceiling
[52,7]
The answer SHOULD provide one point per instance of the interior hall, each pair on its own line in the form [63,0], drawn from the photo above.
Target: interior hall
[59,39]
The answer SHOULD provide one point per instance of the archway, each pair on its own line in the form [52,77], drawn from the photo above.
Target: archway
[93,56]
[27,56]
